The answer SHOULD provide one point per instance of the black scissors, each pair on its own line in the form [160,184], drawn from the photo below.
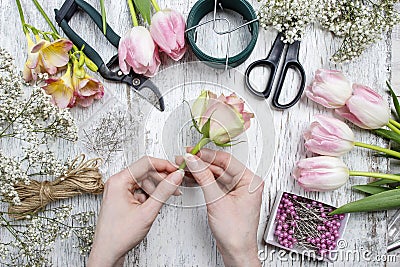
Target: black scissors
[139,83]
[291,60]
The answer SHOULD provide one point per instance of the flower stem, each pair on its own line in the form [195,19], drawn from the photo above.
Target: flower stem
[39,7]
[376,175]
[378,148]
[395,123]
[156,6]
[103,16]
[393,128]
[133,13]
[21,16]
[204,141]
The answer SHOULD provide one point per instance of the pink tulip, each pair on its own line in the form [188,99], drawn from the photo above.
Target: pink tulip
[226,116]
[61,90]
[321,173]
[138,51]
[87,89]
[330,88]
[366,108]
[168,31]
[329,136]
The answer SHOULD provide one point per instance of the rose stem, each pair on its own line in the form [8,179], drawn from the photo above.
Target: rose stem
[204,141]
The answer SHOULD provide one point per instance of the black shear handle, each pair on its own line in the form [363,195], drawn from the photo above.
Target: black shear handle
[261,63]
[64,15]
[289,65]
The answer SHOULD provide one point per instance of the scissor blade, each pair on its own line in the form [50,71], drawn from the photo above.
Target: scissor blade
[150,92]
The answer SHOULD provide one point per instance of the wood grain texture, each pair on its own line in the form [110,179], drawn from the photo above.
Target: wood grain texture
[180,236]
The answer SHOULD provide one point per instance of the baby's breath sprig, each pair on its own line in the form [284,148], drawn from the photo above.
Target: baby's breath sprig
[33,239]
[360,22]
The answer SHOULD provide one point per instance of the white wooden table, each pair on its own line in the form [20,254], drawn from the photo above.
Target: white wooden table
[180,236]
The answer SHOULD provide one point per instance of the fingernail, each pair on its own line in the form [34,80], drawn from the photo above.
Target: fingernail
[177,176]
[190,160]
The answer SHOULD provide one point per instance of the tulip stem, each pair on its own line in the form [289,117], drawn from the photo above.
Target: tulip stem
[376,175]
[378,148]
[21,16]
[133,13]
[204,141]
[393,128]
[39,7]
[156,6]
[395,123]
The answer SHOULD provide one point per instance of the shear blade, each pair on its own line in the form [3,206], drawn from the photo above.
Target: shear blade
[149,92]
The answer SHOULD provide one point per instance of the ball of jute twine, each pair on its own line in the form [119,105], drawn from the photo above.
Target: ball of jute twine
[82,177]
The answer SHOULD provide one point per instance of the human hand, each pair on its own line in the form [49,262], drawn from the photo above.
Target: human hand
[126,215]
[233,195]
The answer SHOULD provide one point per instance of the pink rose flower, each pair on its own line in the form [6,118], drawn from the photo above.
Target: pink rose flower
[226,116]
[329,136]
[168,31]
[330,88]
[137,51]
[366,108]
[322,173]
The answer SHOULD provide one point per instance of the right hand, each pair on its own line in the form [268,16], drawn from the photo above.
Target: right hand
[233,195]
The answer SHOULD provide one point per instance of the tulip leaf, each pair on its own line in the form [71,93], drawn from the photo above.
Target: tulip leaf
[382,182]
[144,8]
[388,135]
[395,99]
[381,201]
[370,189]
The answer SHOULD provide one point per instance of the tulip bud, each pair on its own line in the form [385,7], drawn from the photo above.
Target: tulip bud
[321,173]
[330,88]
[138,51]
[168,31]
[366,108]
[329,136]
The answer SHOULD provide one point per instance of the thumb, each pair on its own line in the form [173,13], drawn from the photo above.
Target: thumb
[164,190]
[204,177]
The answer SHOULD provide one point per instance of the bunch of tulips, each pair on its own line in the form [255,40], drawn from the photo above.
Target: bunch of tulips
[331,138]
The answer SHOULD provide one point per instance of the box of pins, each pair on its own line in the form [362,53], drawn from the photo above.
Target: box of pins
[302,225]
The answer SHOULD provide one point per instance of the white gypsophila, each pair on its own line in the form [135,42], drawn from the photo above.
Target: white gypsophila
[28,116]
[36,238]
[359,23]
[11,174]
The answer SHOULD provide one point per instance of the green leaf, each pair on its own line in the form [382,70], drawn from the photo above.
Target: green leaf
[388,135]
[206,128]
[370,189]
[382,182]
[395,99]
[144,8]
[382,201]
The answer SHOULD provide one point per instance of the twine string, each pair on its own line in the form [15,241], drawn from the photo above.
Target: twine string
[82,177]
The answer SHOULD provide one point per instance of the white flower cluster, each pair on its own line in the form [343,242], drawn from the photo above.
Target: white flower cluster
[11,174]
[28,116]
[34,240]
[359,23]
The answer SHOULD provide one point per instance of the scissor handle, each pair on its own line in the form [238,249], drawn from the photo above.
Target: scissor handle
[261,63]
[66,12]
[296,66]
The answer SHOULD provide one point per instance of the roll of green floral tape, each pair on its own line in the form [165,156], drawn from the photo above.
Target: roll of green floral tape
[201,9]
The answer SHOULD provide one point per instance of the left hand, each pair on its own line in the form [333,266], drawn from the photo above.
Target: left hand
[126,216]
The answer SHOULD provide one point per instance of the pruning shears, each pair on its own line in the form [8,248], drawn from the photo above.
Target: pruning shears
[139,83]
